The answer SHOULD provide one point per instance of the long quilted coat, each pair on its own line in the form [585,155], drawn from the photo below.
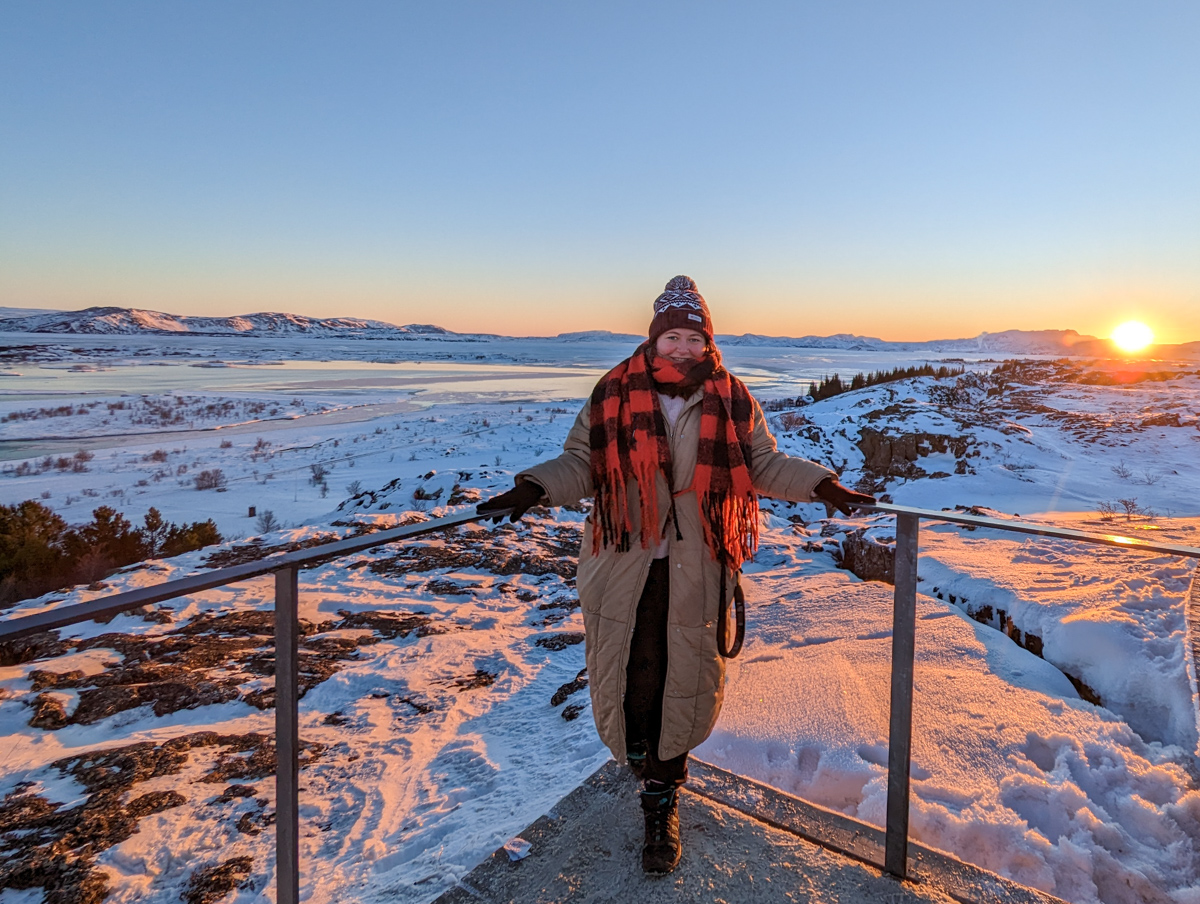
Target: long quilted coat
[610,582]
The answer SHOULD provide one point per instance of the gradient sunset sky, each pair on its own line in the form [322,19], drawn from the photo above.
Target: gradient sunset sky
[907,170]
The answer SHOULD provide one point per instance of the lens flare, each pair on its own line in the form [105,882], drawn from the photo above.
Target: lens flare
[1132,336]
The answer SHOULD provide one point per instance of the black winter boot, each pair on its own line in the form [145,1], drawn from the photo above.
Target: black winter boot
[660,853]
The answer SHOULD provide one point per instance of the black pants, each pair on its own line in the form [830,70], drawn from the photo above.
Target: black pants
[646,678]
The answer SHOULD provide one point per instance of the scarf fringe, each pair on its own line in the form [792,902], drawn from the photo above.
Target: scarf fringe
[625,446]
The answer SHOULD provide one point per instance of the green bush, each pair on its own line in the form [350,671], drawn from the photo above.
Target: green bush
[39,552]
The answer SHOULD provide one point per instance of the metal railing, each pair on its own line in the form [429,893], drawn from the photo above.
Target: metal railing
[286,566]
[904,626]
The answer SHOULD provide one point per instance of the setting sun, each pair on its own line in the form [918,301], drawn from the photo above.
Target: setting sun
[1132,336]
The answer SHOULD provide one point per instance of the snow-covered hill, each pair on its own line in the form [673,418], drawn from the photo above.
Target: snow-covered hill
[132,321]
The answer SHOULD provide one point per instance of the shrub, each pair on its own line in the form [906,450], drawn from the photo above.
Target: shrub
[40,553]
[210,480]
[266,522]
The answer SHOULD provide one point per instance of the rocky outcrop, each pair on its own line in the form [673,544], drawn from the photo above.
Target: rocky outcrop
[868,557]
[54,846]
[895,455]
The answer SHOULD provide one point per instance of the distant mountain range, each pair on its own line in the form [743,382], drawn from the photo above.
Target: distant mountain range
[132,321]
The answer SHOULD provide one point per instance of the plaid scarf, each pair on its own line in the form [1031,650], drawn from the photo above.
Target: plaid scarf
[629,440]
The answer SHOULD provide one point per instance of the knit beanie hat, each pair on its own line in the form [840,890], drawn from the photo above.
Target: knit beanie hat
[681,307]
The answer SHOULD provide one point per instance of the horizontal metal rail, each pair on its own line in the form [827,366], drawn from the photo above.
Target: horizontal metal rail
[108,606]
[1039,530]
[904,628]
[285,567]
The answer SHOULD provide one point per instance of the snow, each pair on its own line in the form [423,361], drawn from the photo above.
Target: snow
[425,773]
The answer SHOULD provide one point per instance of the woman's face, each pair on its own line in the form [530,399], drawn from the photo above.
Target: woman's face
[681,346]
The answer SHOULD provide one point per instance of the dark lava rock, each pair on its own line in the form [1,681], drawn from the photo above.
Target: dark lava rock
[389,625]
[256,549]
[154,802]
[48,714]
[560,641]
[895,455]
[42,680]
[212,883]
[254,822]
[166,697]
[571,713]
[48,846]
[868,558]
[555,555]
[578,683]
[171,672]
[441,587]
[233,792]
[36,646]
[479,679]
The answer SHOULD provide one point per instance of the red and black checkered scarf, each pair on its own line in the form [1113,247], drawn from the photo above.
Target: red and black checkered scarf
[629,440]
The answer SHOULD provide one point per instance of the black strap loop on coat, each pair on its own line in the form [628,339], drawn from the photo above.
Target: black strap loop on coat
[739,614]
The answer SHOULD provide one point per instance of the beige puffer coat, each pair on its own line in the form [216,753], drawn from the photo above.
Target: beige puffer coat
[610,583]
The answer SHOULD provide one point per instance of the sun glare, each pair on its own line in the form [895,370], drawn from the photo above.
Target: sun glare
[1132,336]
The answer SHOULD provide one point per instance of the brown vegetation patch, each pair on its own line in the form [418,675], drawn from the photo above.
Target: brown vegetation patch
[555,553]
[46,845]
[256,549]
[560,640]
[42,645]
[211,883]
[207,661]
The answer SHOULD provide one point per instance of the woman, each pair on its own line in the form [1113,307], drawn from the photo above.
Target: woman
[675,452]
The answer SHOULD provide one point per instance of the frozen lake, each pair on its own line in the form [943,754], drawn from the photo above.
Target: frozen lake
[535,370]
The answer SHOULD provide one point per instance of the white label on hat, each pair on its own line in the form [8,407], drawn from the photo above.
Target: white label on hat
[696,317]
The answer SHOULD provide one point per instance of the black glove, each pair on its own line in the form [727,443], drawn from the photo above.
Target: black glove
[840,497]
[521,498]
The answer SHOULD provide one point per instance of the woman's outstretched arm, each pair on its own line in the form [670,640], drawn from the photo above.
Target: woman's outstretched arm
[560,481]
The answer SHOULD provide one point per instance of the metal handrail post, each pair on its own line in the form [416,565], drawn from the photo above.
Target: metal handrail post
[904,626]
[287,737]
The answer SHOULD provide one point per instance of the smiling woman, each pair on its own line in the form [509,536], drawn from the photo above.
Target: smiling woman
[1132,336]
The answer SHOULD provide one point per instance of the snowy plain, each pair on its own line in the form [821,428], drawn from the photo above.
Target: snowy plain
[447,707]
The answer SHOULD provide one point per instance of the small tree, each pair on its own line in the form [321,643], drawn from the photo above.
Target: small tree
[154,532]
[185,537]
[266,522]
[210,480]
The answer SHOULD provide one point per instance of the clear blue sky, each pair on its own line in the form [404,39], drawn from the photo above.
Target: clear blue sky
[907,170]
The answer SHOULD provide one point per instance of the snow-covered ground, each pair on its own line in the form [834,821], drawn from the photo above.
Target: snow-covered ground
[445,705]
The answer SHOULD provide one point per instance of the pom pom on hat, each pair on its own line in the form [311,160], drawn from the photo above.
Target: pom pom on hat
[681,306]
